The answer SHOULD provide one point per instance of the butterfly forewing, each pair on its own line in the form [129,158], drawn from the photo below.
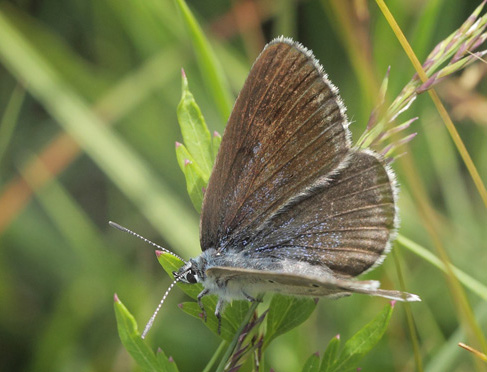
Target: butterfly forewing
[287,130]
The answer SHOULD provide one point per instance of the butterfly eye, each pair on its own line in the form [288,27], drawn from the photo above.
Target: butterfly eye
[190,277]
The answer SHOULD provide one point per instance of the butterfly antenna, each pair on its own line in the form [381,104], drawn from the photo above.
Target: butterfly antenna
[153,317]
[124,229]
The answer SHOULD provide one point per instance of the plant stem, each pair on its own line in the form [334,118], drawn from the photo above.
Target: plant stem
[215,356]
[232,344]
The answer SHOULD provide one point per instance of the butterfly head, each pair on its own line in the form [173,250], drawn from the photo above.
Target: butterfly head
[192,272]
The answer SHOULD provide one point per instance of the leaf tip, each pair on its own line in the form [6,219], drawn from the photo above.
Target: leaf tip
[187,162]
[180,306]
[317,353]
[216,134]
[393,302]
[170,359]
[337,336]
[115,298]
[184,81]
[178,144]
[159,253]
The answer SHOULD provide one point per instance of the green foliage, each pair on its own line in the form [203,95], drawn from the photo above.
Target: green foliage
[168,365]
[354,349]
[135,345]
[195,133]
[330,354]
[286,313]
[93,139]
[196,156]
[361,343]
[312,364]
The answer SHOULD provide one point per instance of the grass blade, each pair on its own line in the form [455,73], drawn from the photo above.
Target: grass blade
[122,165]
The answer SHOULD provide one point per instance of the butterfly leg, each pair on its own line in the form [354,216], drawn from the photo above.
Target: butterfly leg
[250,298]
[218,313]
[200,303]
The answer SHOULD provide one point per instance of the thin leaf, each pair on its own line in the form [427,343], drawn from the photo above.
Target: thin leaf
[363,341]
[196,180]
[192,308]
[330,354]
[130,337]
[167,364]
[196,135]
[312,364]
[232,316]
[286,313]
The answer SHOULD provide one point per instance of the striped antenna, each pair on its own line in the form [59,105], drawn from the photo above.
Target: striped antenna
[124,229]
[153,317]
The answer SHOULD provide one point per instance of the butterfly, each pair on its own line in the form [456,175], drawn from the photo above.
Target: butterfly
[291,206]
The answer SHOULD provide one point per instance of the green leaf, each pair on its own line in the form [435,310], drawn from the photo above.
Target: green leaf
[286,313]
[195,178]
[169,263]
[232,317]
[196,136]
[167,364]
[208,64]
[130,337]
[363,341]
[312,364]
[330,354]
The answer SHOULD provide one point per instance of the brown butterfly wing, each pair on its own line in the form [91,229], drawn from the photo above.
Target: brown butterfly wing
[345,225]
[287,129]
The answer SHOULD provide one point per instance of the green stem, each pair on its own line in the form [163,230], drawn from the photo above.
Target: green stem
[232,344]
[215,356]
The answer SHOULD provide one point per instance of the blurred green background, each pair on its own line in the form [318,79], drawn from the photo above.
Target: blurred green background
[88,96]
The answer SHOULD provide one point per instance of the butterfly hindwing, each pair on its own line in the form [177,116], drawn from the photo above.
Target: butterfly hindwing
[346,224]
